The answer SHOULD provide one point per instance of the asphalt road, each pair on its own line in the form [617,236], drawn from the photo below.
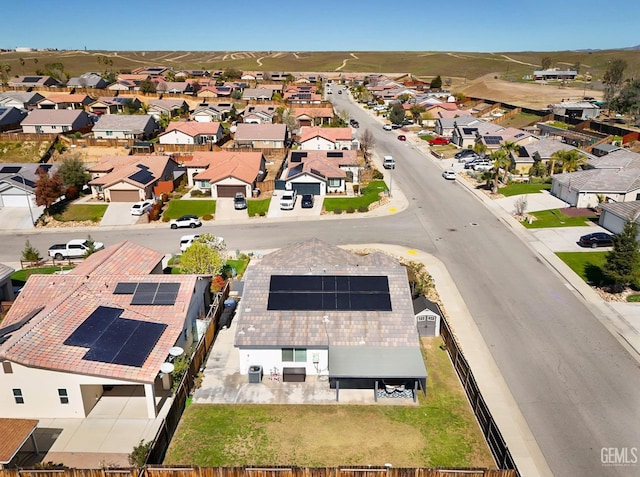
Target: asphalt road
[577,388]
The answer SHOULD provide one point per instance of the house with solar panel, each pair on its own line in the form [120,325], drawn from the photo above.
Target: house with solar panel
[315,311]
[320,172]
[20,99]
[33,82]
[105,329]
[88,80]
[18,184]
[10,118]
[113,104]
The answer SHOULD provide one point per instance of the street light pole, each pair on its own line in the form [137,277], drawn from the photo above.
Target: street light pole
[24,188]
[393,166]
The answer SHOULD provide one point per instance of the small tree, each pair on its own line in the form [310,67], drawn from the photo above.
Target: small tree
[396,116]
[73,172]
[367,143]
[48,189]
[30,254]
[623,261]
[416,111]
[546,62]
[91,247]
[520,206]
[204,256]
[139,454]
[436,83]
[147,86]
[539,169]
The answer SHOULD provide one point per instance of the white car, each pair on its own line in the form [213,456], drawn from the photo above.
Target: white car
[449,174]
[185,221]
[141,208]
[187,240]
[389,162]
[482,166]
[288,200]
[387,127]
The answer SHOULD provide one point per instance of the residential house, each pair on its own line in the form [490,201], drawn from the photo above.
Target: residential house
[259,114]
[317,138]
[175,87]
[65,101]
[255,94]
[70,341]
[313,309]
[583,188]
[88,80]
[321,172]
[33,81]
[206,113]
[226,173]
[495,139]
[125,126]
[56,121]
[114,104]
[6,287]
[541,150]
[554,74]
[123,85]
[576,109]
[618,159]
[310,116]
[131,181]
[18,183]
[191,132]
[20,100]
[302,94]
[10,118]
[171,108]
[615,215]
[445,126]
[151,71]
[261,136]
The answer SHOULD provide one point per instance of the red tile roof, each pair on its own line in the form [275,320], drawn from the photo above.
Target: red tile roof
[128,258]
[14,433]
[330,134]
[193,128]
[156,166]
[244,166]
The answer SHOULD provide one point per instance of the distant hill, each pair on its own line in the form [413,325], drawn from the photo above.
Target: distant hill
[466,66]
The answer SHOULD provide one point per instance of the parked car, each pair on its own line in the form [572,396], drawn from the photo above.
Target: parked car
[596,239]
[307,201]
[339,91]
[288,200]
[402,137]
[141,208]
[469,157]
[465,153]
[389,162]
[239,201]
[395,126]
[75,248]
[482,166]
[354,124]
[470,163]
[439,141]
[387,127]
[190,221]
[449,174]
[187,240]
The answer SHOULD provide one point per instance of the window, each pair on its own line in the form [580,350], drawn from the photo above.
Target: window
[17,395]
[294,355]
[108,133]
[6,367]
[64,397]
[334,182]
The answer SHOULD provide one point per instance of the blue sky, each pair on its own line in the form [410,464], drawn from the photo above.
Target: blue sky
[321,25]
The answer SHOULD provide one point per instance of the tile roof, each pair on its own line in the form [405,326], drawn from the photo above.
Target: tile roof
[330,134]
[601,180]
[123,122]
[244,166]
[156,165]
[618,159]
[66,98]
[5,272]
[626,210]
[39,117]
[124,258]
[258,326]
[313,112]
[318,163]
[108,163]
[14,433]
[260,132]
[546,147]
[193,128]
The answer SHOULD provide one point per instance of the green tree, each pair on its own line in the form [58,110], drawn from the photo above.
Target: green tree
[539,169]
[612,79]
[130,106]
[231,74]
[480,148]
[416,112]
[501,165]
[73,172]
[436,83]
[628,100]
[147,86]
[204,256]
[572,160]
[623,261]
[546,62]
[91,247]
[405,98]
[396,115]
[48,190]
[5,69]
[56,70]
[139,454]
[30,253]
[576,67]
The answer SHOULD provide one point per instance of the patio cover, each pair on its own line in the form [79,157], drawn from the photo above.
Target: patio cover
[15,433]
[377,362]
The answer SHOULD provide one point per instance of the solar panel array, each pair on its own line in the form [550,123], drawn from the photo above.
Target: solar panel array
[149,293]
[335,154]
[329,293]
[115,340]
[31,79]
[10,169]
[143,176]
[296,156]
[492,140]
[24,181]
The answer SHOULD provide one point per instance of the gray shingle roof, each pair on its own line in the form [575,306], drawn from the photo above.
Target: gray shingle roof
[618,159]
[601,180]
[626,210]
[122,122]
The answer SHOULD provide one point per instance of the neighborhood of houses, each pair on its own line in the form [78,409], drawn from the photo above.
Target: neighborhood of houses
[115,324]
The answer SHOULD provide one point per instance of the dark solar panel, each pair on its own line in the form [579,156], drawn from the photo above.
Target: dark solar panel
[136,349]
[164,299]
[125,288]
[334,154]
[368,284]
[10,169]
[342,283]
[311,283]
[492,139]
[169,288]
[90,330]
[296,156]
[31,79]
[329,283]
[343,301]
[24,181]
[142,177]
[143,298]
[147,287]
[329,301]
[19,324]
[316,172]
[106,348]
[295,170]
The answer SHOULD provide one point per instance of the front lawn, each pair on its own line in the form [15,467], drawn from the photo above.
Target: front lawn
[518,188]
[178,208]
[555,218]
[588,265]
[440,431]
[20,276]
[258,207]
[370,194]
[240,264]
[81,213]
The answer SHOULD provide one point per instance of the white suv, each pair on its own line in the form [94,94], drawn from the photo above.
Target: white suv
[141,208]
[389,162]
[288,199]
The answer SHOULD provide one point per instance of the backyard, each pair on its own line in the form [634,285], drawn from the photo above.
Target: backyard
[440,431]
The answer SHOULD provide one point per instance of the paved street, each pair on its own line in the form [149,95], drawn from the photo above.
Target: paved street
[574,382]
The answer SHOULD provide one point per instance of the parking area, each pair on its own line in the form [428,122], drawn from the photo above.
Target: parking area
[298,211]
[226,211]
[565,239]
[119,213]
[19,218]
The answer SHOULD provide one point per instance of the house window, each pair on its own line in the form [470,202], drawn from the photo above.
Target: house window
[66,128]
[295,355]
[54,127]
[334,182]
[6,367]
[64,397]
[108,133]
[17,395]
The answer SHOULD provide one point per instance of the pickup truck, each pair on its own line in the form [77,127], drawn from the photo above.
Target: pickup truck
[75,248]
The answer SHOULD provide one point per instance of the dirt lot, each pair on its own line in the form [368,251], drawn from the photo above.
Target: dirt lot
[90,154]
[530,95]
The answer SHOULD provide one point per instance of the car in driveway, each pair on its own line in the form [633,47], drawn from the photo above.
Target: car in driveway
[307,201]
[482,166]
[239,201]
[472,162]
[596,239]
[465,153]
[449,174]
[288,200]
[439,141]
[142,207]
[190,221]
[402,137]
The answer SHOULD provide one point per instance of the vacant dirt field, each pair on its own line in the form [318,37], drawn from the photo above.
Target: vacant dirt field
[536,96]
[90,154]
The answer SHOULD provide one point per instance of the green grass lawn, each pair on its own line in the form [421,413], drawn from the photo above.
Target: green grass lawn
[555,218]
[588,265]
[177,208]
[370,194]
[518,188]
[240,265]
[21,276]
[440,431]
[258,207]
[81,212]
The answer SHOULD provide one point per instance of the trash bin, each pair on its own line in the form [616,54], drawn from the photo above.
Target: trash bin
[255,374]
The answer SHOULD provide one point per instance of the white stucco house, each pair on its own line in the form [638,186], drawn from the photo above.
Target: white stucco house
[321,172]
[582,188]
[315,138]
[191,132]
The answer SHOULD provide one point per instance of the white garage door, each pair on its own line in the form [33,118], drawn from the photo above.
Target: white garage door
[15,200]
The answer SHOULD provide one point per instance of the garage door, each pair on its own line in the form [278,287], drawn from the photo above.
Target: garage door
[306,188]
[125,196]
[15,200]
[230,190]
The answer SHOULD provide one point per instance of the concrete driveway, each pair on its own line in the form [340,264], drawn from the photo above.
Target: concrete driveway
[19,218]
[298,211]
[119,213]
[226,211]
[564,239]
[540,201]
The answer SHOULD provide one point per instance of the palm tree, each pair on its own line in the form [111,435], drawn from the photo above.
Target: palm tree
[480,148]
[570,160]
[416,111]
[509,149]
[501,165]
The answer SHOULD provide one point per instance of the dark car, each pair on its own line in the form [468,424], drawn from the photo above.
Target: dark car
[402,137]
[307,201]
[465,153]
[596,239]
[395,126]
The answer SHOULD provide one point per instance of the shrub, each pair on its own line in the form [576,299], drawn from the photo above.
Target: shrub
[262,213]
[337,210]
[363,208]
[166,218]
[350,210]
[138,456]
[207,217]
[72,192]
[164,197]
[196,193]
[635,284]
[377,175]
